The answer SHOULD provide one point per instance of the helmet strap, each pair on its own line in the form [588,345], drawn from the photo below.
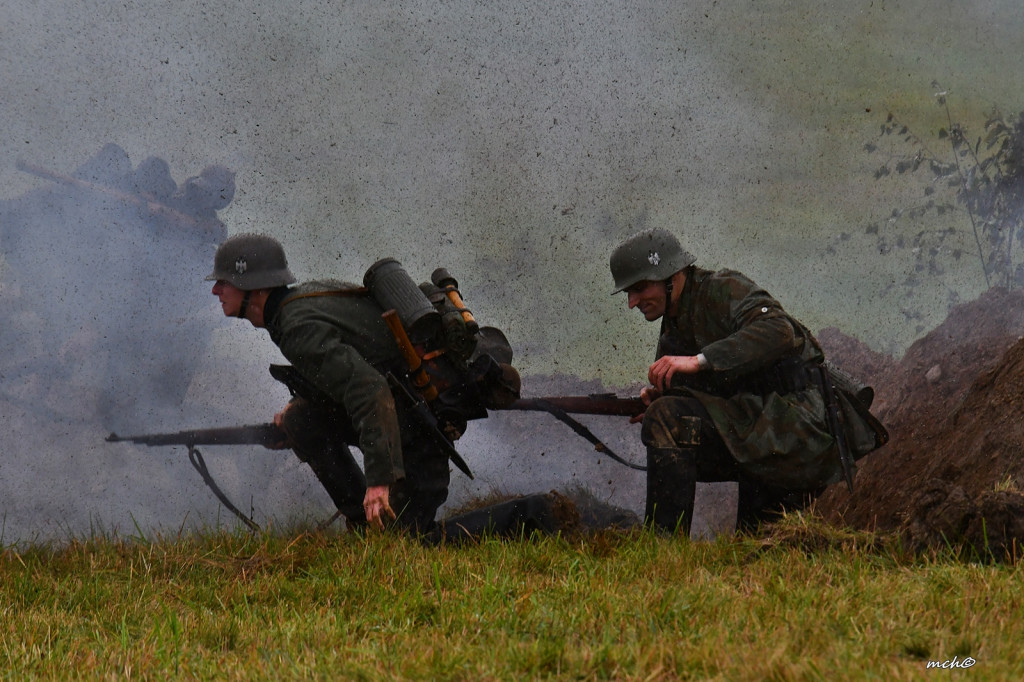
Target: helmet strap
[244,308]
[668,296]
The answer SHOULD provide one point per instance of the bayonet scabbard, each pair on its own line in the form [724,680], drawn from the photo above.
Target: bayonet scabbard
[821,377]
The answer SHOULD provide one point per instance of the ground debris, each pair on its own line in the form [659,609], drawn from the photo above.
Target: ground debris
[809,533]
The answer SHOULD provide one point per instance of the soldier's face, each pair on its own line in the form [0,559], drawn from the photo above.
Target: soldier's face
[230,297]
[649,297]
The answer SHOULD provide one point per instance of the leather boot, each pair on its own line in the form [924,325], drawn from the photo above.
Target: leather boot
[671,486]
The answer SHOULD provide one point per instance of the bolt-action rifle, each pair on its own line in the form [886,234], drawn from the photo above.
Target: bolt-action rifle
[267,435]
[270,436]
[143,201]
[607,404]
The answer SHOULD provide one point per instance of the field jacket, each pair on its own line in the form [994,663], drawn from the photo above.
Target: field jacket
[776,434]
[341,345]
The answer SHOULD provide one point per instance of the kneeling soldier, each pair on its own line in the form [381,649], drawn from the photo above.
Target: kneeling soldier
[738,391]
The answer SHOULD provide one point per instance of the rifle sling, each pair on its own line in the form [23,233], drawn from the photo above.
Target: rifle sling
[199,464]
[344,293]
[195,458]
[563,416]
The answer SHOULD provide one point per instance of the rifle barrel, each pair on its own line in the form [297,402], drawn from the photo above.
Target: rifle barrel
[254,434]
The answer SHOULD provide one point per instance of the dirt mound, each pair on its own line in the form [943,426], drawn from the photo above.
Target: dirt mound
[941,513]
[954,406]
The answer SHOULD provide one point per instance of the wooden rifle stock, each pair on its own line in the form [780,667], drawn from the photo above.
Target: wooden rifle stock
[599,403]
[146,202]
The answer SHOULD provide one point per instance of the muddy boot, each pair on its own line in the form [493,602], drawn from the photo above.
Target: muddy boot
[760,504]
[671,486]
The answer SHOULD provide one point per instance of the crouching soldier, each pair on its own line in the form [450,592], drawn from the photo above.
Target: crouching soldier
[739,391]
[342,353]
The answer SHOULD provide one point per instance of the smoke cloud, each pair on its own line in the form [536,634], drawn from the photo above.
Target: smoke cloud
[514,146]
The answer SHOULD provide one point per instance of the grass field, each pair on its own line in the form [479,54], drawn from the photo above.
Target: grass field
[801,602]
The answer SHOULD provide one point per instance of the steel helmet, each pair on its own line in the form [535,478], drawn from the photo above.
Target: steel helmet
[653,255]
[251,261]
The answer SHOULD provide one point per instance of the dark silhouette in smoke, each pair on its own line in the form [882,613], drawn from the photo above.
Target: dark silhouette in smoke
[102,287]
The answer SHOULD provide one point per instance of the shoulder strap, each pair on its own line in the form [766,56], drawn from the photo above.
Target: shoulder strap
[346,293]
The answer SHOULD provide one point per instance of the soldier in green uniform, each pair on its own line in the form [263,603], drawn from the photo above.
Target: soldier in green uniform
[736,389]
[333,335]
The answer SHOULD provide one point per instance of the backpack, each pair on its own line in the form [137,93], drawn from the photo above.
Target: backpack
[469,365]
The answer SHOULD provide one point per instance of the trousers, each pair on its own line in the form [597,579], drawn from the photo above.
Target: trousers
[681,422]
[321,436]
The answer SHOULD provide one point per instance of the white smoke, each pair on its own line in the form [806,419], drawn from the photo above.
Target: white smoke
[513,144]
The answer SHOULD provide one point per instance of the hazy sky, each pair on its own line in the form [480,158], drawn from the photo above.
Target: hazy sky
[516,143]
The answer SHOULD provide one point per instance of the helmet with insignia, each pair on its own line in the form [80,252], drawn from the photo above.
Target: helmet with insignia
[651,255]
[251,261]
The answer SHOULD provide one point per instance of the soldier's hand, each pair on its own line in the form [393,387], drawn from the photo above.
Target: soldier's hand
[279,417]
[377,506]
[279,423]
[648,394]
[661,371]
